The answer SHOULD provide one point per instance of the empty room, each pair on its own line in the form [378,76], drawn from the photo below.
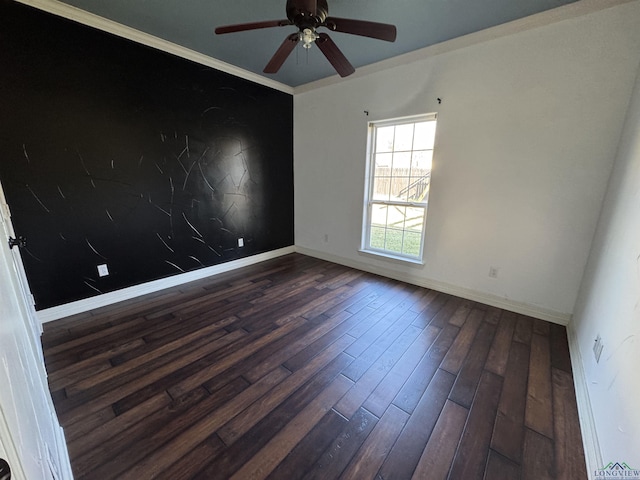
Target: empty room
[320,239]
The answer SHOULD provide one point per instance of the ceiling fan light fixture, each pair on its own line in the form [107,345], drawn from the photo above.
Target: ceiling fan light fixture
[307,37]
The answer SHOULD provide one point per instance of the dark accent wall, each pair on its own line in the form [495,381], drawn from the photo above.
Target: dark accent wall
[115,153]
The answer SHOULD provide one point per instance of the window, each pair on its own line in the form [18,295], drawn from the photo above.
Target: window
[398,181]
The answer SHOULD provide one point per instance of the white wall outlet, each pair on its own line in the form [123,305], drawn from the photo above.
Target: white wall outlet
[493,272]
[241,242]
[597,348]
[326,238]
[103,271]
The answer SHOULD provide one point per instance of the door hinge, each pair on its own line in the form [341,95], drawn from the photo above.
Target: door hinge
[19,242]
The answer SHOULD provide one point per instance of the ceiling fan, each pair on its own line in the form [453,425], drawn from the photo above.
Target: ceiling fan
[308,16]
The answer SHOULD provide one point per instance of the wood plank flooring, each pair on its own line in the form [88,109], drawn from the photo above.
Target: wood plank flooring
[297,368]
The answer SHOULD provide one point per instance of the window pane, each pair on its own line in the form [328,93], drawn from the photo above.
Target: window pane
[419,189]
[379,215]
[414,219]
[384,139]
[421,161]
[399,188]
[424,136]
[395,217]
[393,240]
[381,188]
[383,160]
[376,237]
[404,137]
[401,163]
[411,243]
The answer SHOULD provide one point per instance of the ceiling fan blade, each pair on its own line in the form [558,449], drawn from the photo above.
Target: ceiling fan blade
[282,53]
[334,55]
[381,31]
[241,27]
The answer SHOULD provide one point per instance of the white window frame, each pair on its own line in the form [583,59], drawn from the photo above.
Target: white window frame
[369,186]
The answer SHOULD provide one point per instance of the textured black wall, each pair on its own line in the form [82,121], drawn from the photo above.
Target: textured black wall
[112,152]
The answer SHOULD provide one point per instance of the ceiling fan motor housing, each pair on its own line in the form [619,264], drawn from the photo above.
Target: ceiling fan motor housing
[306,19]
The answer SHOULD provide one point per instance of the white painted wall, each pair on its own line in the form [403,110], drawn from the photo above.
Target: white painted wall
[609,305]
[527,133]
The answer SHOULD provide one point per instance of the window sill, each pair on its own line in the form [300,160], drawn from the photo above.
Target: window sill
[390,256]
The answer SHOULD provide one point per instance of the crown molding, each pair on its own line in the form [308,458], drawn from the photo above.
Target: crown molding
[548,17]
[565,12]
[95,21]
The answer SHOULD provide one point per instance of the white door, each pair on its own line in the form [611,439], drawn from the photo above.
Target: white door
[32,322]
[30,435]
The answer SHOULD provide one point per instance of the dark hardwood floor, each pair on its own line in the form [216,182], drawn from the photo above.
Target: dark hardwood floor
[298,368]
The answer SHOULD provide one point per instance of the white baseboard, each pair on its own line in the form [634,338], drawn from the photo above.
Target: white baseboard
[81,306]
[592,452]
[487,299]
[85,305]
[63,464]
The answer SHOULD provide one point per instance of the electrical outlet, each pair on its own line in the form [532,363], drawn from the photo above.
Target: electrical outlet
[597,348]
[241,242]
[103,271]
[326,238]
[493,272]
